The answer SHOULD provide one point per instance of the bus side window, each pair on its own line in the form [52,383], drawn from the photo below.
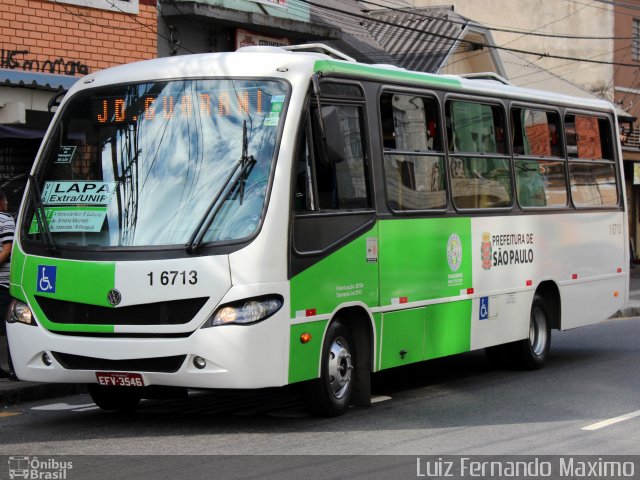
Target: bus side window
[413,156]
[479,162]
[592,168]
[332,197]
[540,179]
[332,172]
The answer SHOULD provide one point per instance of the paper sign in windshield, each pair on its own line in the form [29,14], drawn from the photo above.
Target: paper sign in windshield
[72,219]
[78,193]
[272,119]
[65,154]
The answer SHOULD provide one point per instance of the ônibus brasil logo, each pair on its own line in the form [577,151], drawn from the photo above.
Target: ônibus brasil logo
[35,468]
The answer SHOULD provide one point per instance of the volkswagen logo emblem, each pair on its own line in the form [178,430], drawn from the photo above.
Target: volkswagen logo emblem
[114,297]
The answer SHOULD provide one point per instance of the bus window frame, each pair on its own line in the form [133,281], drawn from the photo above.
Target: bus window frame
[385,89]
[493,100]
[145,252]
[563,158]
[340,100]
[600,115]
[366,215]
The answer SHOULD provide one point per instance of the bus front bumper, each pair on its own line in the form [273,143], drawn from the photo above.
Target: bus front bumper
[230,356]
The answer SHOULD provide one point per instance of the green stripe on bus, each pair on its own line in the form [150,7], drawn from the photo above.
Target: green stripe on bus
[377,321]
[418,334]
[81,282]
[447,329]
[328,66]
[15,274]
[344,276]
[402,337]
[424,259]
[304,358]
[418,260]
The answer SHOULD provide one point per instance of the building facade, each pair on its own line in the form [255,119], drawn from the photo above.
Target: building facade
[548,29]
[45,47]
[188,26]
[626,82]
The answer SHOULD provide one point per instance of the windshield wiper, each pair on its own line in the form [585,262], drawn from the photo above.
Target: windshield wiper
[237,176]
[41,217]
[247,162]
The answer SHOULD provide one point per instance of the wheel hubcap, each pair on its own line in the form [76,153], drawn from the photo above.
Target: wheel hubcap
[340,367]
[538,332]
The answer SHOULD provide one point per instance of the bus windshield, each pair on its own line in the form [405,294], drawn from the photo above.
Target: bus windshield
[143,164]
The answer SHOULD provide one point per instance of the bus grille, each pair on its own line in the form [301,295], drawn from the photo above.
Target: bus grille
[175,312]
[159,364]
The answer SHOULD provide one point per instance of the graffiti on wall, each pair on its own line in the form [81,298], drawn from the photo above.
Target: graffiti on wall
[13,59]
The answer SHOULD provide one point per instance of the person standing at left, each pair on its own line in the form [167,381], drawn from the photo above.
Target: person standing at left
[7,228]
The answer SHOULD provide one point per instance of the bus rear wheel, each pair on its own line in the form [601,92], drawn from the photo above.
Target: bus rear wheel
[531,353]
[120,399]
[330,395]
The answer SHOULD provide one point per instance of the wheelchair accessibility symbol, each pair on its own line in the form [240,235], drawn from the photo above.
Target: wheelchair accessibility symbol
[484,308]
[46,279]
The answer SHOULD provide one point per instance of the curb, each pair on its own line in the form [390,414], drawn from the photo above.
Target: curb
[628,311]
[13,393]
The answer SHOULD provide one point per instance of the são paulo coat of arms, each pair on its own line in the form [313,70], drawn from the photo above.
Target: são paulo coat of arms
[486,250]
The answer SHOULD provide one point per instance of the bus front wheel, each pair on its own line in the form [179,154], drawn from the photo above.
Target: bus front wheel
[330,395]
[121,399]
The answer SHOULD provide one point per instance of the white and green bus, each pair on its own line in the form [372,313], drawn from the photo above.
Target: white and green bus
[277,216]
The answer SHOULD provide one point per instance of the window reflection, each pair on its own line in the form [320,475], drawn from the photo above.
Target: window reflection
[166,149]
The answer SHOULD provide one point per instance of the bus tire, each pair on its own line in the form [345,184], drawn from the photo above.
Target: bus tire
[330,395]
[531,353]
[120,399]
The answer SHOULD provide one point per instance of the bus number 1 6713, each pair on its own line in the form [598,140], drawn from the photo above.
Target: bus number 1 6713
[174,277]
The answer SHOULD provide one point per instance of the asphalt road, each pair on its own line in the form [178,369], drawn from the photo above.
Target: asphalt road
[451,406]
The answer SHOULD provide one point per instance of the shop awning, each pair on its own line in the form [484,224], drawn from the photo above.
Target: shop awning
[21,133]
[36,80]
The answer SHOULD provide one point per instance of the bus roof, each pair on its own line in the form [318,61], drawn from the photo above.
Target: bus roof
[480,86]
[298,65]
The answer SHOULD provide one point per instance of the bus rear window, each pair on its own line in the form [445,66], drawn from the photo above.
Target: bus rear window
[592,170]
[588,138]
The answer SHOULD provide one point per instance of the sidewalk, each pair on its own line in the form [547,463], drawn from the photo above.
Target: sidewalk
[13,393]
[632,308]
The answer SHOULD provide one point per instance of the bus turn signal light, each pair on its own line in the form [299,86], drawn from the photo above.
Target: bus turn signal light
[305,338]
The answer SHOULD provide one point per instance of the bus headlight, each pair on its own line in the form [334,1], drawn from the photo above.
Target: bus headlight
[245,311]
[19,312]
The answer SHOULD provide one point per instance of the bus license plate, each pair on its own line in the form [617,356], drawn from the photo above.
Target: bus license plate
[120,379]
